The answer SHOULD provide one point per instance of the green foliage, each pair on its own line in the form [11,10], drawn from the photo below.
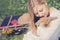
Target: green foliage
[54,3]
[17,37]
[12,7]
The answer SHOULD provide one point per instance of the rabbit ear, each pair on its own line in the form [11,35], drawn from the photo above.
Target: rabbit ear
[52,18]
[38,22]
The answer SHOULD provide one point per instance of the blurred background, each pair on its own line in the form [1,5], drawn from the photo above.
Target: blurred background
[14,7]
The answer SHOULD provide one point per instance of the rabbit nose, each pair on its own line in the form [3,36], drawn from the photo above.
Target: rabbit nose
[46,24]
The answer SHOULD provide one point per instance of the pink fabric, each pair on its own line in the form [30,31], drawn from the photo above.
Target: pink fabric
[14,22]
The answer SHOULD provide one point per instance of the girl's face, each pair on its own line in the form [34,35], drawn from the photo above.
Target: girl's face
[41,10]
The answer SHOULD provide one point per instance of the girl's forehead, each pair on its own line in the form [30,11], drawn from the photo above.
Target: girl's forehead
[38,7]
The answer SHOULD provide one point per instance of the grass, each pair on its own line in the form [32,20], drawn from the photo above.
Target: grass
[17,37]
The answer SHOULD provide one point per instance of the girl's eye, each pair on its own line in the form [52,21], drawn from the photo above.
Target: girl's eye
[41,10]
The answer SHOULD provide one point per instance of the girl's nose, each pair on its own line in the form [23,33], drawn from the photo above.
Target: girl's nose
[42,14]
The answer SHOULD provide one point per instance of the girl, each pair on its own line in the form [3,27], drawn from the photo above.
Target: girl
[39,10]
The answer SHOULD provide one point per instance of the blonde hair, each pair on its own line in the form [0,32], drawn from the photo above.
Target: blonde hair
[32,4]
